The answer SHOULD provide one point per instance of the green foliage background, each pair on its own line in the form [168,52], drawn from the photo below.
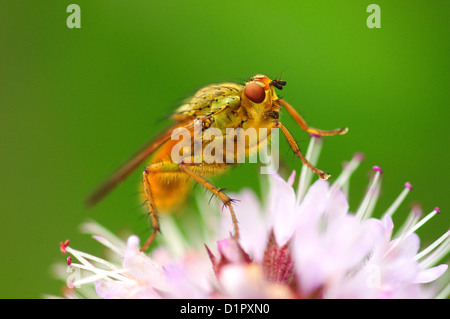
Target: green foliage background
[75,103]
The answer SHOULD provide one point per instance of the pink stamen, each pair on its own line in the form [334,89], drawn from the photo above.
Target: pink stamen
[359,157]
[393,208]
[417,209]
[377,169]
[436,209]
[409,186]
[314,135]
[63,246]
[69,261]
[367,205]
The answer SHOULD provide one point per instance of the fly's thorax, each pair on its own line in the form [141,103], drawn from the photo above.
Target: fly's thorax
[209,100]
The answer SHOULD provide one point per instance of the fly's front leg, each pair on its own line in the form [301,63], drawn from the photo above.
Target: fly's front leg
[216,191]
[298,152]
[305,127]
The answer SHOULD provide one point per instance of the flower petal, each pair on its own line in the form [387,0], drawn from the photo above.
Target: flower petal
[430,274]
[251,219]
[141,266]
[281,209]
[247,281]
[312,208]
[337,204]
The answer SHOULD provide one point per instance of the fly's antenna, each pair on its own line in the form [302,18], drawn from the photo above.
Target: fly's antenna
[278,83]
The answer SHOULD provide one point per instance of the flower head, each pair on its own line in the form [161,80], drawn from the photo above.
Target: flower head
[301,243]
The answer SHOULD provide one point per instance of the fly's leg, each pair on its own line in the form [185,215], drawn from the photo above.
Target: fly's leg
[153,169]
[298,152]
[216,191]
[151,209]
[304,125]
[164,168]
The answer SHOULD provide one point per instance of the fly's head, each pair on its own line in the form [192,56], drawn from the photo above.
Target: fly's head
[259,94]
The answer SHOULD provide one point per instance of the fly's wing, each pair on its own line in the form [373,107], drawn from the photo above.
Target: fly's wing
[207,102]
[134,162]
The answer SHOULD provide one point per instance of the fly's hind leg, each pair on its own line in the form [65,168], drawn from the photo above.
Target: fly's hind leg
[216,191]
[151,209]
[157,168]
[182,168]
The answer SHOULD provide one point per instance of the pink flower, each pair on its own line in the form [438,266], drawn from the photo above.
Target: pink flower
[300,243]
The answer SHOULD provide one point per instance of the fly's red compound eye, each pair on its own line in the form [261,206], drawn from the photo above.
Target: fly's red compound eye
[255,92]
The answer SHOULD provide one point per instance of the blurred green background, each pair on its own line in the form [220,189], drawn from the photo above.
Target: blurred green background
[75,103]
